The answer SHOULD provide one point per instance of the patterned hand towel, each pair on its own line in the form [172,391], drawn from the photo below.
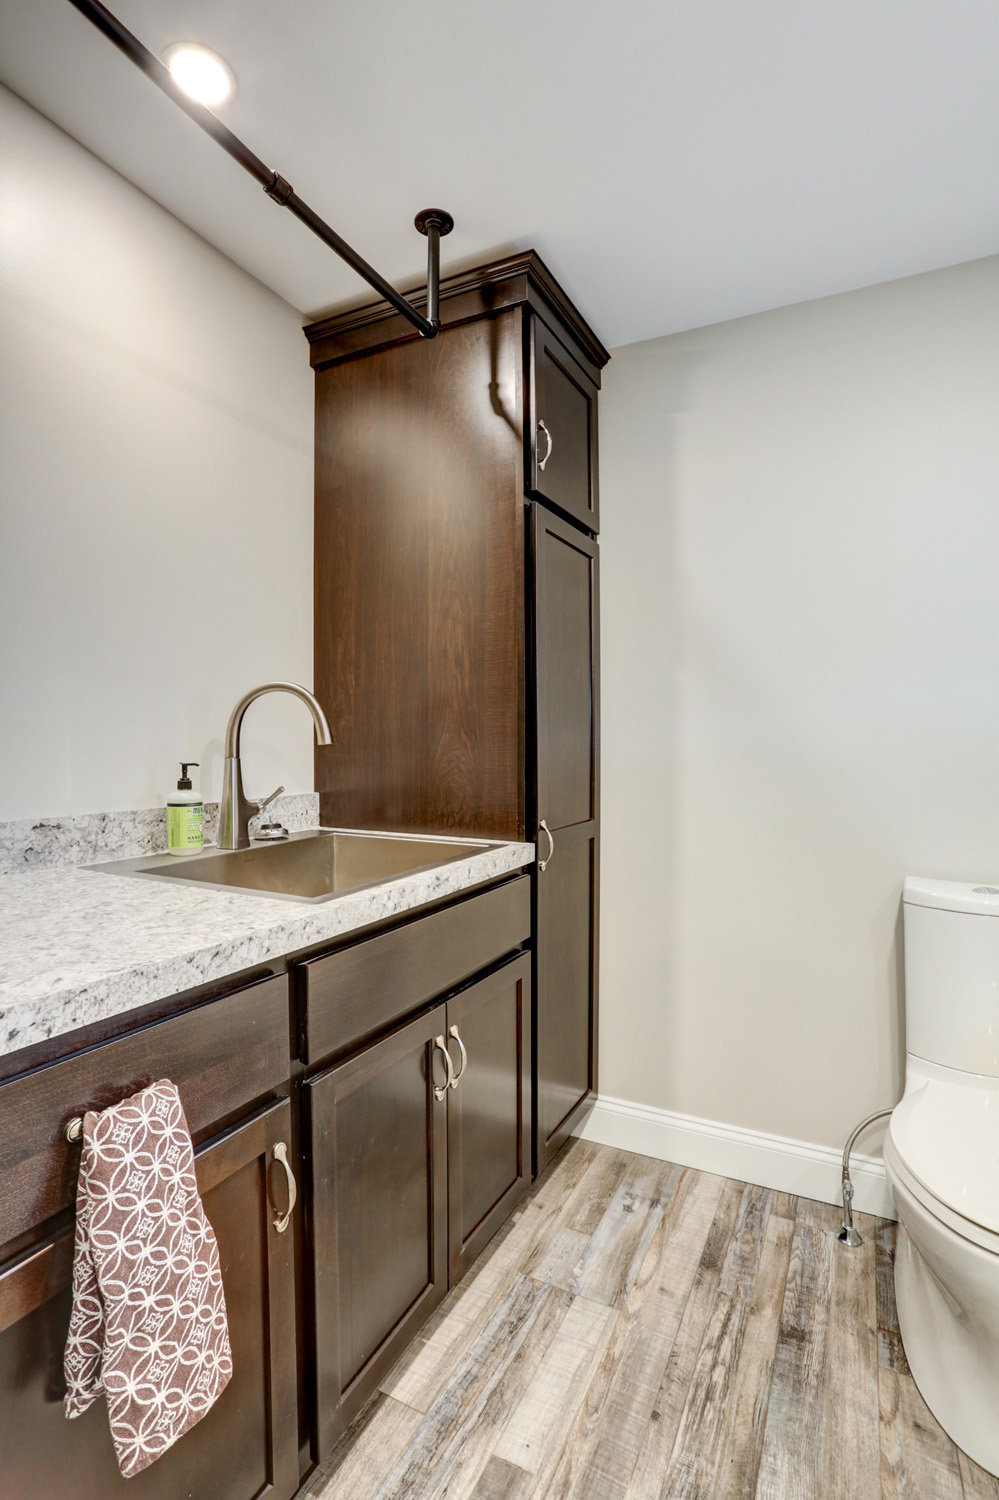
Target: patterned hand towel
[148,1326]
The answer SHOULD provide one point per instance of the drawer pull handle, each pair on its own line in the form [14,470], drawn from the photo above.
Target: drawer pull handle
[544,429]
[543,863]
[464,1057]
[283,1220]
[441,1089]
[74,1130]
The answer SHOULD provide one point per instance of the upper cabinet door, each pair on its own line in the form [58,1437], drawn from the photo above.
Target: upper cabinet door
[565,614]
[562,452]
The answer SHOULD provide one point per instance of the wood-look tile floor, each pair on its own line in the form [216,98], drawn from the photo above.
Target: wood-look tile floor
[640,1330]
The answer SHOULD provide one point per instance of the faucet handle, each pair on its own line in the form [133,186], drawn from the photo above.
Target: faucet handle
[265,802]
[267,827]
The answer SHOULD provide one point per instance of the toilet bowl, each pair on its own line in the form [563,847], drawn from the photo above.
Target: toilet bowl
[942,1160]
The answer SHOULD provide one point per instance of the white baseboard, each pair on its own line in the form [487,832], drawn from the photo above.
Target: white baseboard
[772,1161]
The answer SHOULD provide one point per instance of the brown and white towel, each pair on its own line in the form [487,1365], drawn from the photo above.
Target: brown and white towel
[148,1326]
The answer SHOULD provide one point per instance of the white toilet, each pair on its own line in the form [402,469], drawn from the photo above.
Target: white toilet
[942,1159]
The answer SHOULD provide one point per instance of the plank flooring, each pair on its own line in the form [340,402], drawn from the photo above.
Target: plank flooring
[639,1331]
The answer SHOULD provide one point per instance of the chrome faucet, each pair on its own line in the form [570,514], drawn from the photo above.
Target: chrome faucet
[235,809]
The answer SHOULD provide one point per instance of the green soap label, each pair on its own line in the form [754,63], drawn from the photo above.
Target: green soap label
[185,826]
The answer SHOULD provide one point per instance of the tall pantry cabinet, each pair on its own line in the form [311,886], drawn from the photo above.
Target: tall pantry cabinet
[456,648]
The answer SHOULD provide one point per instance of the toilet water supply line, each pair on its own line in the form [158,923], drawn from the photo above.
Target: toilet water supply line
[849,1235]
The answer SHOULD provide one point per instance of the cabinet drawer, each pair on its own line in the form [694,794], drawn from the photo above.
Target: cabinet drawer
[357,992]
[221,1056]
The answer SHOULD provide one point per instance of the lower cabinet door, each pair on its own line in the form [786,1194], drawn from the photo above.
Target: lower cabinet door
[566,1001]
[379,1211]
[489,1108]
[247,1445]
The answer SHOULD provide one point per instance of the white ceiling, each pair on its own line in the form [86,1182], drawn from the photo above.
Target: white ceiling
[675,164]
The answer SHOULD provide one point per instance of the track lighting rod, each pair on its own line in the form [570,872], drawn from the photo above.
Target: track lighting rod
[432,222]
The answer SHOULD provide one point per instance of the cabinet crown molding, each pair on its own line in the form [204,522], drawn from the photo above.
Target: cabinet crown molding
[513,281]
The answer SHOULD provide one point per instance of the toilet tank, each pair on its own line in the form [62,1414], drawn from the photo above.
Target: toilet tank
[952,974]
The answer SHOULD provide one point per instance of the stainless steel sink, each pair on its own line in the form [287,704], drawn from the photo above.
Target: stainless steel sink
[313,866]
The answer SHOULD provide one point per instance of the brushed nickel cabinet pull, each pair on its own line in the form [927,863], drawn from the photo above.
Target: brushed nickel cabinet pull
[283,1220]
[543,863]
[464,1057]
[74,1130]
[440,1089]
[544,429]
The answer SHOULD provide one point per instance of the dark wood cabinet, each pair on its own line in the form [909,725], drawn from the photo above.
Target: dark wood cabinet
[455,634]
[403,1182]
[247,1445]
[489,1108]
[435,1063]
[562,454]
[411,1178]
[378,1149]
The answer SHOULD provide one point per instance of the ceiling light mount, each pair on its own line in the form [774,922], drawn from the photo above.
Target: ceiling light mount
[433,222]
[434,218]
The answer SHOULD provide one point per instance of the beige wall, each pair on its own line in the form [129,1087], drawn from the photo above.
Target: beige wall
[155,493]
[800,689]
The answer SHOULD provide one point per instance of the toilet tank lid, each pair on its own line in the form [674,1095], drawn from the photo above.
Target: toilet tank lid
[980,898]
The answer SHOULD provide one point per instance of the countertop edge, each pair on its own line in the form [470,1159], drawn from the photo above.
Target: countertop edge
[66,1008]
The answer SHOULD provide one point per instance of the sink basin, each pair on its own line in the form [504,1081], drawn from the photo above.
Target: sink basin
[313,866]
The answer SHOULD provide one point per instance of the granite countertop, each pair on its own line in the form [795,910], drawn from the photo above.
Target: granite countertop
[78,946]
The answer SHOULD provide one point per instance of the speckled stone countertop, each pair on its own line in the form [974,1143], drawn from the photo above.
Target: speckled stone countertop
[78,946]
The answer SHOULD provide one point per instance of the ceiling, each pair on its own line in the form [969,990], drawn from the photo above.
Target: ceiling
[675,164]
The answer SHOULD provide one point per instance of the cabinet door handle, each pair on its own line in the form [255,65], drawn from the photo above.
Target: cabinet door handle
[283,1220]
[464,1057]
[441,1089]
[544,429]
[543,863]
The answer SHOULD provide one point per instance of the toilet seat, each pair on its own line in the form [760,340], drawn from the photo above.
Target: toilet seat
[943,1146]
[899,1174]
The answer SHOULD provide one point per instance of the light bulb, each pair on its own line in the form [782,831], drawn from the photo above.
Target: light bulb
[200,73]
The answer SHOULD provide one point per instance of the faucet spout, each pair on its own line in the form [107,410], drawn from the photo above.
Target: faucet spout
[235,810]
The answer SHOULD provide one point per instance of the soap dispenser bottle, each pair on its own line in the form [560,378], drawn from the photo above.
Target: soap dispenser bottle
[185,816]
